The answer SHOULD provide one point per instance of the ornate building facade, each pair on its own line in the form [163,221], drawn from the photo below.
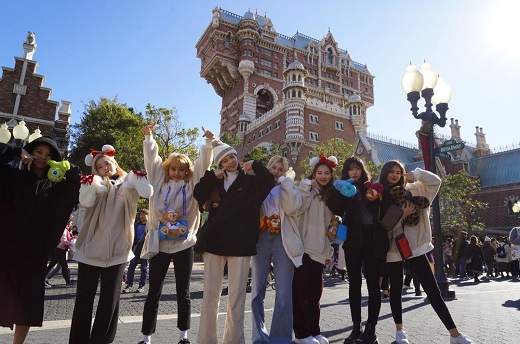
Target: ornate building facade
[23,97]
[296,91]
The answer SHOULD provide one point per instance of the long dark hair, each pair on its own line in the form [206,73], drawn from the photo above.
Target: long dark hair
[387,168]
[324,189]
[355,161]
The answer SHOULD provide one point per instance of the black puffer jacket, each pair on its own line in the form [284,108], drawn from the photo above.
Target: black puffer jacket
[235,223]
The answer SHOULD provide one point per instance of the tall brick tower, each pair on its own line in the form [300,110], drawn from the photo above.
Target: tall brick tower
[296,91]
[23,96]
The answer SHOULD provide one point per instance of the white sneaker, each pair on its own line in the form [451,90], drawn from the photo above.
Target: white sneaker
[128,289]
[461,339]
[308,340]
[321,339]
[400,337]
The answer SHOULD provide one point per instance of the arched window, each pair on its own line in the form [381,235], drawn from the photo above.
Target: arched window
[329,56]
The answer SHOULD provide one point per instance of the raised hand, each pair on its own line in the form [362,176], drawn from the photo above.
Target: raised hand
[26,159]
[147,129]
[207,133]
[247,167]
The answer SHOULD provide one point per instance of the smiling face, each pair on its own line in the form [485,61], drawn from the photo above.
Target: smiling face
[178,172]
[105,167]
[229,163]
[41,154]
[323,175]
[394,176]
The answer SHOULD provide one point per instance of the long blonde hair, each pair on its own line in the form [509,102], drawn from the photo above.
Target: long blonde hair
[280,159]
[179,160]
[119,171]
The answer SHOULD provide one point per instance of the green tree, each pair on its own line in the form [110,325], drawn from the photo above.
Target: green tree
[264,153]
[227,138]
[458,205]
[108,122]
[170,134]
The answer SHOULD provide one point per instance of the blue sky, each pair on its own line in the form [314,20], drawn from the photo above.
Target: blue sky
[144,52]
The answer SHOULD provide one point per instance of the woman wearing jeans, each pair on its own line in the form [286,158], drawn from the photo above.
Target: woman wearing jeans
[277,241]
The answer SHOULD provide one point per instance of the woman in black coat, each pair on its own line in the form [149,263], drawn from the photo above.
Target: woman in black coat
[475,258]
[35,211]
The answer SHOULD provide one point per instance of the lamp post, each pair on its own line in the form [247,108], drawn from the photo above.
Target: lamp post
[436,91]
[20,134]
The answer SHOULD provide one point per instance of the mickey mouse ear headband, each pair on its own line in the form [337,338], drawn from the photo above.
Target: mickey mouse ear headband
[106,149]
[331,160]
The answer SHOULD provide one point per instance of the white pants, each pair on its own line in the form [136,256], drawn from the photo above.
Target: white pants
[238,268]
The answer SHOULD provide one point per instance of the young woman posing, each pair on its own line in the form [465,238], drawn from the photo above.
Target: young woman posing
[104,245]
[313,220]
[230,236]
[279,241]
[35,212]
[366,243]
[173,182]
[426,184]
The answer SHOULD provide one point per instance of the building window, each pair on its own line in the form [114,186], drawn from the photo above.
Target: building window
[265,62]
[339,125]
[248,140]
[313,119]
[276,124]
[254,137]
[313,136]
[276,65]
[247,41]
[267,72]
[275,75]
[256,59]
[247,52]
[268,129]
[260,134]
[267,52]
[275,55]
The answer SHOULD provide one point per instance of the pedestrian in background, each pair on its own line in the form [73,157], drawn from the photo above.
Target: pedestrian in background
[137,247]
[279,242]
[59,256]
[35,210]
[173,181]
[104,245]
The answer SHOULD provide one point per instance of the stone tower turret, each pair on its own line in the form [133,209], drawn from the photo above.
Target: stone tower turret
[295,97]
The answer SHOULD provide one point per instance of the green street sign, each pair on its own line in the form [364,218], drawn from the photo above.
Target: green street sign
[443,155]
[448,148]
[449,142]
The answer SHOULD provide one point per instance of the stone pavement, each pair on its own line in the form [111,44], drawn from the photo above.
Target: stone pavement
[488,312]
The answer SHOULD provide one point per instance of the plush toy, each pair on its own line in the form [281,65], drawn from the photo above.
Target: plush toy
[271,223]
[401,196]
[345,187]
[171,228]
[374,191]
[57,171]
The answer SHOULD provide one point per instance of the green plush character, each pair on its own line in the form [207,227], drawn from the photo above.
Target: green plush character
[57,171]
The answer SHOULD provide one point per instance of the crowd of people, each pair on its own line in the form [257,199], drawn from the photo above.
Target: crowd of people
[259,218]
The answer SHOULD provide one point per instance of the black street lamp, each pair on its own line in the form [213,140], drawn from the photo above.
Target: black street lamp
[437,91]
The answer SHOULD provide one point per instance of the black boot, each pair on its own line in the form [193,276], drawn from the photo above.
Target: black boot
[356,333]
[369,337]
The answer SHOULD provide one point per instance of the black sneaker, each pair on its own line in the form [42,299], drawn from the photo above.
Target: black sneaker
[128,289]
[184,341]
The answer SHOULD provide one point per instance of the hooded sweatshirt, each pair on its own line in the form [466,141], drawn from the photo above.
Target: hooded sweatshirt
[314,219]
[107,233]
[175,196]
[419,236]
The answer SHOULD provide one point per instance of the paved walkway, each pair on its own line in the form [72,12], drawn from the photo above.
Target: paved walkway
[488,312]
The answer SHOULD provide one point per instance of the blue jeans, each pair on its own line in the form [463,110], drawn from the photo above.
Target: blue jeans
[269,246]
[462,267]
[133,264]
